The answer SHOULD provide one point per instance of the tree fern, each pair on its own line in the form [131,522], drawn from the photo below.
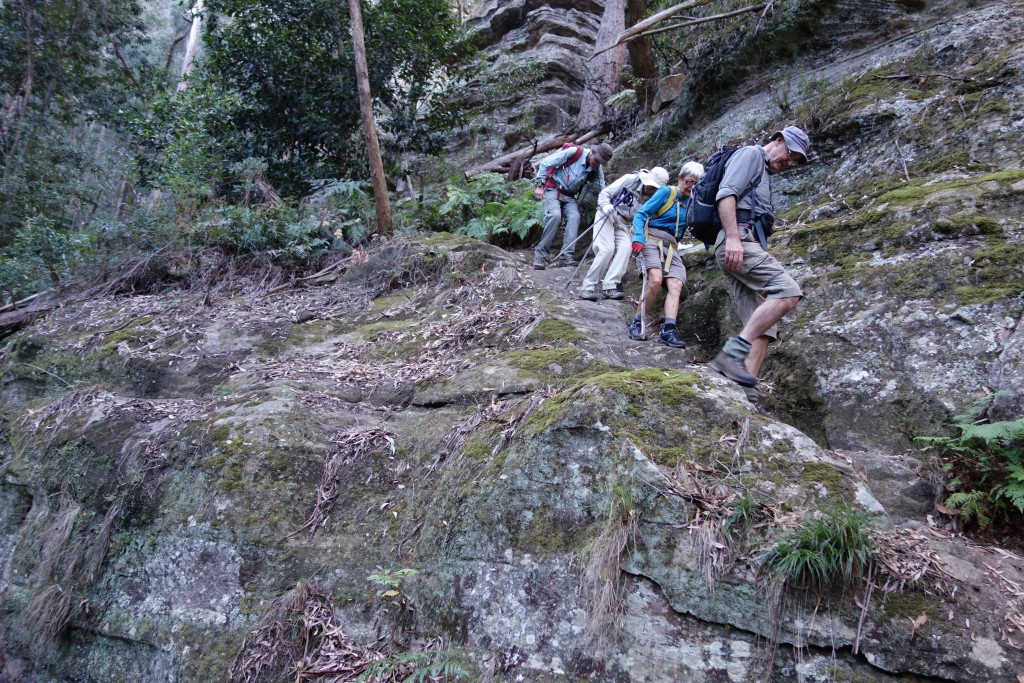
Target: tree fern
[972,505]
[489,208]
[985,465]
[1013,490]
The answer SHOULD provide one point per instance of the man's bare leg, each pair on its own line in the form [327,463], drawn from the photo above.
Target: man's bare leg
[758,351]
[766,315]
[741,358]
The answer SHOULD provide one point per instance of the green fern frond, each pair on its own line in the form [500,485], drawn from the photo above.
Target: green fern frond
[972,505]
[994,433]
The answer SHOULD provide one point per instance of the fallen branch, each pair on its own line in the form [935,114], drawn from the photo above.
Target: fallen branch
[902,160]
[12,321]
[535,148]
[657,19]
[323,276]
[14,305]
[924,77]
[693,22]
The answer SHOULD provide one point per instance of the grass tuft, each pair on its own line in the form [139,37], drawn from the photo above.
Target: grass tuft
[834,550]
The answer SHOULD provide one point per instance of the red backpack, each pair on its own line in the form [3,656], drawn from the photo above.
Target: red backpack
[573,158]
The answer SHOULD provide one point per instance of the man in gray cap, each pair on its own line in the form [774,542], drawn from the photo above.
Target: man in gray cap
[761,288]
[560,177]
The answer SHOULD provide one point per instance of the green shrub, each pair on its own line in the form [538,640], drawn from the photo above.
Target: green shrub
[282,234]
[417,667]
[984,466]
[490,209]
[40,255]
[832,550]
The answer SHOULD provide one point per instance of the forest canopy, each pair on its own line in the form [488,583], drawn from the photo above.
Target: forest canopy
[108,144]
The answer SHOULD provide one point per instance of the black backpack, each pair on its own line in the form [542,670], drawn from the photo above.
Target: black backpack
[702,213]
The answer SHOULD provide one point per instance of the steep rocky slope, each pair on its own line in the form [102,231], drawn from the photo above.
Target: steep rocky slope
[569,505]
[173,470]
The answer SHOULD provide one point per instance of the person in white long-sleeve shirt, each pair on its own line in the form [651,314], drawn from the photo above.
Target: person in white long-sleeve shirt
[616,206]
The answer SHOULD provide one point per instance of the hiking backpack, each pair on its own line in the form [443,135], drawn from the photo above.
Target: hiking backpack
[702,214]
[573,158]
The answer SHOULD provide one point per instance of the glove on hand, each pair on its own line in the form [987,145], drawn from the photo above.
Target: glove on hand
[638,247]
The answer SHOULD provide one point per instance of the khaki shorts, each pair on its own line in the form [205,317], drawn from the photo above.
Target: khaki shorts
[760,277]
[655,256]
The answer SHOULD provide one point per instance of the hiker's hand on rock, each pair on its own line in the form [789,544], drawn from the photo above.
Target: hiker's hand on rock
[733,253]
[638,247]
[538,193]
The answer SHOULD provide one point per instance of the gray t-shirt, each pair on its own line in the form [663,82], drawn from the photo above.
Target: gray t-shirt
[741,172]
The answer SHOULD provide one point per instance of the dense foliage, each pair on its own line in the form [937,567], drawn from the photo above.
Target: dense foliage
[68,71]
[290,64]
[103,152]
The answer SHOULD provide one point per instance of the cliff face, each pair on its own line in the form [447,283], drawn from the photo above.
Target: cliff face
[565,504]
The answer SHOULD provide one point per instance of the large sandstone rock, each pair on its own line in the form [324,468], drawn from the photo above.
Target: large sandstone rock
[162,458]
[541,50]
[912,288]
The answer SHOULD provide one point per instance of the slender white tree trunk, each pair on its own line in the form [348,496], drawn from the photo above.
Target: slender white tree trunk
[380,184]
[191,45]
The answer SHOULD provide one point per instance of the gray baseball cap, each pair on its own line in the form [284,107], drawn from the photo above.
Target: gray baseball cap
[796,141]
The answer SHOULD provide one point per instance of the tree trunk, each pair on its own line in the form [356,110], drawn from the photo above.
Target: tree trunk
[12,153]
[192,45]
[641,58]
[604,70]
[380,185]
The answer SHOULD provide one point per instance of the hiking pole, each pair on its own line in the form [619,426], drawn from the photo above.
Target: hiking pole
[580,265]
[643,295]
[567,248]
[596,228]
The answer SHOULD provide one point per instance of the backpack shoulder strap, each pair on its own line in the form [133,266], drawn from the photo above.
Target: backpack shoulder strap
[672,193]
[575,156]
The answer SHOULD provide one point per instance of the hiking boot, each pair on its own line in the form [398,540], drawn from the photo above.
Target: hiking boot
[566,263]
[636,331]
[539,265]
[733,368]
[753,394]
[588,294]
[670,337]
[612,294]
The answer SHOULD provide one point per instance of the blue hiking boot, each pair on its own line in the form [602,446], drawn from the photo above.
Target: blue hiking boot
[636,331]
[670,337]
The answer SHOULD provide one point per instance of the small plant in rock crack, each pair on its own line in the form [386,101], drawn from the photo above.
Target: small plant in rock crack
[389,587]
[417,667]
[746,514]
[834,550]
[984,469]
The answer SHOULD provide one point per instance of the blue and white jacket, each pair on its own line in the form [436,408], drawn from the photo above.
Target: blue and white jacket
[569,178]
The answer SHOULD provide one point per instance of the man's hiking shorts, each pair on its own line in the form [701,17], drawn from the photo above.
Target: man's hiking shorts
[761,277]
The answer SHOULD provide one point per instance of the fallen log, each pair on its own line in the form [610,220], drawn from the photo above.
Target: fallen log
[22,302]
[505,161]
[12,321]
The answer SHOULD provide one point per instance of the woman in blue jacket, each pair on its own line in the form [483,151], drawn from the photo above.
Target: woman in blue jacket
[657,228]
